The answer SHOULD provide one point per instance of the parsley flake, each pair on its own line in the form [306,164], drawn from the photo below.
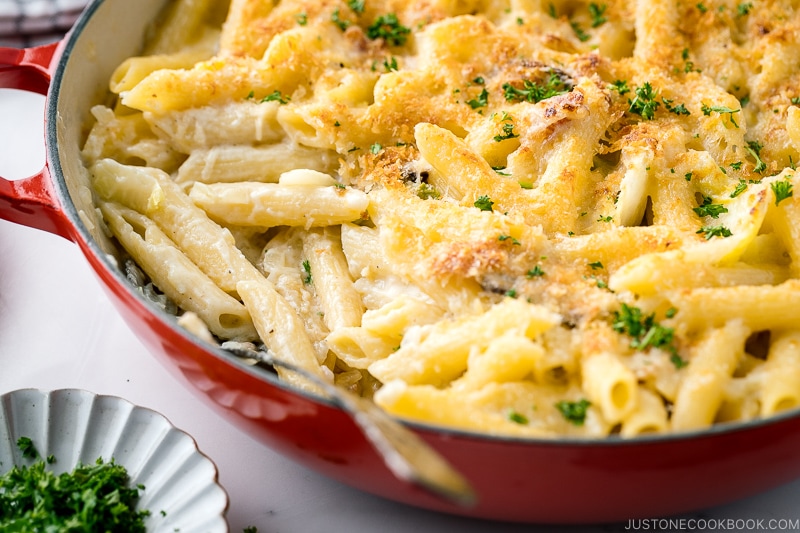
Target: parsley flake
[579,33]
[356,5]
[754,149]
[709,209]
[535,272]
[714,231]
[597,11]
[339,21]
[706,109]
[481,101]
[508,133]
[740,188]
[427,191]
[390,64]
[388,28]
[744,8]
[484,203]
[782,190]
[533,91]
[644,103]
[26,446]
[621,86]
[679,109]
[644,331]
[574,412]
[517,418]
[276,96]
[514,241]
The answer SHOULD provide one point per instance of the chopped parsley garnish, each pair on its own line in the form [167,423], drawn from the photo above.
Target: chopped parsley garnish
[679,109]
[607,218]
[307,272]
[390,64]
[709,209]
[481,101]
[301,18]
[503,238]
[740,188]
[336,19]
[579,33]
[714,231]
[737,165]
[508,133]
[644,331]
[574,412]
[688,176]
[90,498]
[597,12]
[517,418]
[276,96]
[754,148]
[426,191]
[535,272]
[706,109]
[511,293]
[356,5]
[375,148]
[25,445]
[744,8]
[782,190]
[701,7]
[596,265]
[621,86]
[533,92]
[484,203]
[644,103]
[388,28]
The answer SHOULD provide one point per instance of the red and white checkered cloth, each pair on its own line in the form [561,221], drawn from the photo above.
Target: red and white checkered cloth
[25,23]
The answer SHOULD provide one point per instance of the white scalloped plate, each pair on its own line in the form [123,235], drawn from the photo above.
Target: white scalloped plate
[75,426]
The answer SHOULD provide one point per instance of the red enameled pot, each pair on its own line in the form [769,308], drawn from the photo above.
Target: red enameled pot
[530,480]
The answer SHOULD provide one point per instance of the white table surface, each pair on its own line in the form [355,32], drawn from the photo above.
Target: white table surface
[59,330]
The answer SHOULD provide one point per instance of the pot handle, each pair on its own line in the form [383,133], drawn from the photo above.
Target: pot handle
[31,201]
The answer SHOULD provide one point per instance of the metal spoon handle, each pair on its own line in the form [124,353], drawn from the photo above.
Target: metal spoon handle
[406,455]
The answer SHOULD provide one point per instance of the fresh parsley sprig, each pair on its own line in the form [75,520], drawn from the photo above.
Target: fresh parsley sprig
[574,412]
[709,209]
[533,91]
[644,103]
[782,190]
[714,231]
[388,28]
[645,332]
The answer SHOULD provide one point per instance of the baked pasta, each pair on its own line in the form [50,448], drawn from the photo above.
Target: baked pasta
[519,217]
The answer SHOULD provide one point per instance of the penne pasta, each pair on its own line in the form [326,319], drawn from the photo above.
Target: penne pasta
[513,218]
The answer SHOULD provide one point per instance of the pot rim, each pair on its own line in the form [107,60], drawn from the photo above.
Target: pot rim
[80,231]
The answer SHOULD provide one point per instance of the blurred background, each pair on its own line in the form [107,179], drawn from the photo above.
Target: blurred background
[25,23]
